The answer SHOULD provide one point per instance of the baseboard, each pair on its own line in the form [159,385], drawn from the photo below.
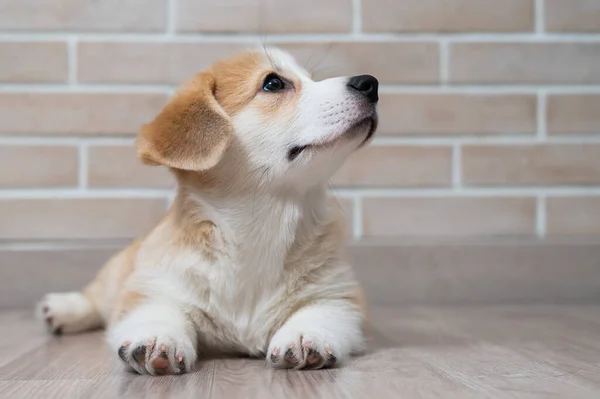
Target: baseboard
[454,272]
[399,272]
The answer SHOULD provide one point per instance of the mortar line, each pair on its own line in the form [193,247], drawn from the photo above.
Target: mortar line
[83,166]
[539,17]
[540,216]
[356,17]
[456,165]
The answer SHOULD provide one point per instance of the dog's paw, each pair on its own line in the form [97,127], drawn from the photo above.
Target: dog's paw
[289,350]
[156,354]
[66,312]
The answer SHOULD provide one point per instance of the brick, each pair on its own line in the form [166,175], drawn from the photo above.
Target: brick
[38,166]
[264,16]
[572,16]
[77,113]
[158,63]
[119,166]
[447,15]
[155,63]
[525,63]
[448,216]
[537,165]
[392,63]
[456,114]
[573,114]
[397,166]
[572,215]
[78,15]
[79,218]
[26,58]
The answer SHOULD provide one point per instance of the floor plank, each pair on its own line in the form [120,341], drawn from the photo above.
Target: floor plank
[434,352]
[19,336]
[43,389]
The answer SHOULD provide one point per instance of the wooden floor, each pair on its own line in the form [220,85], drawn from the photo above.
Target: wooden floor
[494,352]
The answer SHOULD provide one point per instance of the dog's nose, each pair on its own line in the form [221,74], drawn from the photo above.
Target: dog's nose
[366,85]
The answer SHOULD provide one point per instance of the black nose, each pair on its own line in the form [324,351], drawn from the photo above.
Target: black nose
[366,85]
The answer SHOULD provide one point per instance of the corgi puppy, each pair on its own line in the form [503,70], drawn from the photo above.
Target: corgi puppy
[248,260]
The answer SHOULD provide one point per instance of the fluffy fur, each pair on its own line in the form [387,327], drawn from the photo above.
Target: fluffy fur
[247,260]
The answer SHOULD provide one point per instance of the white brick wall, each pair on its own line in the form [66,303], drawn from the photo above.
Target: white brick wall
[86,77]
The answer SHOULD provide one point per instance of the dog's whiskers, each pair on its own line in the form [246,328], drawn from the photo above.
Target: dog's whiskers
[314,69]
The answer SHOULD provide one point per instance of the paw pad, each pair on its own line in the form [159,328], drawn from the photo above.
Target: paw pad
[305,355]
[49,320]
[147,358]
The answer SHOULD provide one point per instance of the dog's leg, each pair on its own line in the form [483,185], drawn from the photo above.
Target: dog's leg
[69,313]
[155,338]
[73,312]
[322,334]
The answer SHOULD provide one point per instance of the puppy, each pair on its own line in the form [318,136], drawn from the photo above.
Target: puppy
[248,259]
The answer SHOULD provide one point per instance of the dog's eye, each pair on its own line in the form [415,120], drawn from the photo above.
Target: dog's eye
[273,83]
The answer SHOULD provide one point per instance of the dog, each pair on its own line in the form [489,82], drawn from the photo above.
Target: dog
[248,259]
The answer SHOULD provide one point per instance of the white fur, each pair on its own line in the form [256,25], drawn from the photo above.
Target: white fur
[330,328]
[151,326]
[67,312]
[234,301]
[325,112]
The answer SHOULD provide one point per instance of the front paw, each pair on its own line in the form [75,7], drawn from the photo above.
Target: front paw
[295,350]
[157,353]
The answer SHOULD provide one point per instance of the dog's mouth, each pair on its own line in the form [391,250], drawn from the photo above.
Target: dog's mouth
[369,122]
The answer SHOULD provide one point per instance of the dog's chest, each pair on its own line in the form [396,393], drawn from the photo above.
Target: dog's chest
[240,288]
[239,300]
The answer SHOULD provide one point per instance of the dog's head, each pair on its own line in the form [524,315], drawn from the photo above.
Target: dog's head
[260,116]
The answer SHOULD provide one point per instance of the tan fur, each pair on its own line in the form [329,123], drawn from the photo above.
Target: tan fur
[191,132]
[109,281]
[191,136]
[126,301]
[240,79]
[195,229]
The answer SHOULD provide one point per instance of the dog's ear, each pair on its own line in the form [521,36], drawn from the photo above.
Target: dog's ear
[191,132]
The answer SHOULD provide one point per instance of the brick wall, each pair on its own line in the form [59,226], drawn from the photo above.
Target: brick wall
[490,110]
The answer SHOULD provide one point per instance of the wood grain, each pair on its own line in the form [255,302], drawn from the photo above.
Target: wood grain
[532,351]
